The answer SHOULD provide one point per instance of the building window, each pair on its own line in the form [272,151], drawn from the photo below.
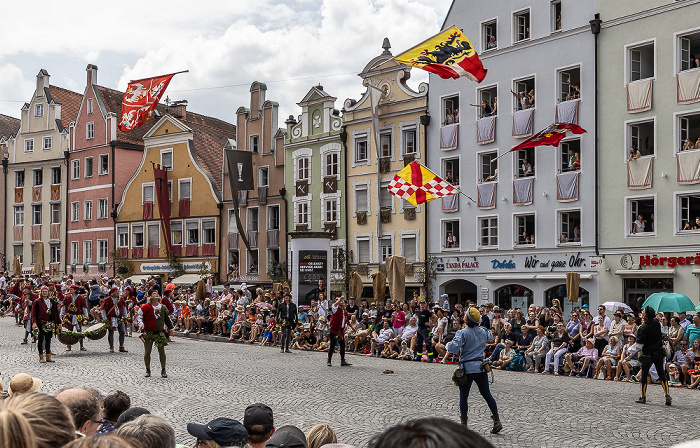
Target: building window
[408,246]
[47,143]
[102,251]
[273,258]
[273,217]
[19,179]
[570,227]
[570,155]
[147,192]
[525,230]
[185,188]
[75,252]
[88,167]
[362,199]
[87,211]
[386,199]
[569,84]
[409,141]
[332,164]
[524,94]
[55,213]
[385,146]
[39,110]
[488,99]
[192,228]
[87,252]
[166,159]
[19,215]
[89,106]
[303,168]
[332,214]
[450,110]
[209,232]
[253,223]
[641,216]
[18,252]
[303,214]
[102,209]
[690,51]
[521,25]
[450,170]
[488,232]
[137,235]
[74,211]
[122,236]
[690,212]
[263,177]
[556,15]
[29,145]
[489,36]
[89,130]
[689,131]
[526,162]
[56,175]
[364,254]
[38,177]
[176,233]
[489,168]
[36,214]
[75,169]
[153,234]
[255,143]
[104,164]
[641,62]
[450,234]
[641,136]
[386,248]
[361,153]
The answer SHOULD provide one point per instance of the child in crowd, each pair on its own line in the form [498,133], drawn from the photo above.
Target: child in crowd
[269,335]
[323,345]
[321,328]
[406,353]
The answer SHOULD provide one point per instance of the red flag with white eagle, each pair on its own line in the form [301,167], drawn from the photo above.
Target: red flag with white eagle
[551,135]
[140,98]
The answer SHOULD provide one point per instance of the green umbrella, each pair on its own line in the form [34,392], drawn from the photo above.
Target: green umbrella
[697,308]
[669,302]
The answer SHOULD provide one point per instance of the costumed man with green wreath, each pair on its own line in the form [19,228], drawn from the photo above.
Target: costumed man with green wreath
[155,318]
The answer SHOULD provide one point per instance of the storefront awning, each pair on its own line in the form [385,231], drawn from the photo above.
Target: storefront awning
[508,277]
[696,271]
[561,276]
[186,279]
[645,272]
[138,277]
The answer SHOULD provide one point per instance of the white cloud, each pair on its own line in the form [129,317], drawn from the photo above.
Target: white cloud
[14,85]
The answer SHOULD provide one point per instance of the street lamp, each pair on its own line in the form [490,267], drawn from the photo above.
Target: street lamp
[5,162]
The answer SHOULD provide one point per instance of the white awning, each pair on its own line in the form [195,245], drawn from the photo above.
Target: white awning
[186,280]
[645,272]
[137,278]
[508,277]
[696,271]
[561,276]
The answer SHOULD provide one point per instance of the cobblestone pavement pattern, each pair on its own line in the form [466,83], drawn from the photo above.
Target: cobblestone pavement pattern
[211,379]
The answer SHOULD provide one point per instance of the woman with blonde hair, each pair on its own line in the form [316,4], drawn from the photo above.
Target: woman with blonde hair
[52,420]
[320,435]
[15,430]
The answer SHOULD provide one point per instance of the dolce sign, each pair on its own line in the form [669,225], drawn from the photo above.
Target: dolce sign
[654,260]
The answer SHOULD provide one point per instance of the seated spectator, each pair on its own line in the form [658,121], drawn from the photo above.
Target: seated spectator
[151,431]
[534,355]
[409,333]
[84,405]
[608,359]
[682,360]
[441,346]
[22,383]
[406,353]
[560,345]
[320,435]
[288,437]
[628,360]
[114,405]
[391,349]
[507,334]
[223,432]
[429,432]
[131,414]
[379,337]
[586,355]
[50,421]
[506,356]
[15,430]
[524,341]
[259,422]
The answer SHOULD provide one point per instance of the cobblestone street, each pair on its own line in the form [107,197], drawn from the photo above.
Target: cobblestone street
[210,379]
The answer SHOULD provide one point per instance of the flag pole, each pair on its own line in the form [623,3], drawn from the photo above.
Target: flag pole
[458,190]
[167,74]
[509,151]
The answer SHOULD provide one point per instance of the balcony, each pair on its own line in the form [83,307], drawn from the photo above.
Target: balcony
[384,164]
[522,190]
[450,203]
[123,252]
[253,238]
[385,215]
[409,213]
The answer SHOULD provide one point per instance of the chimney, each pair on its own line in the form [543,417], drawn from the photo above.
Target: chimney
[178,109]
[42,81]
[91,74]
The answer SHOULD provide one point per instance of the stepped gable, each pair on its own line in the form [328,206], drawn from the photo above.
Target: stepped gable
[70,104]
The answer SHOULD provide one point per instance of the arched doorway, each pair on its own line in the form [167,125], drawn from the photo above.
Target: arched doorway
[513,296]
[559,292]
[459,291]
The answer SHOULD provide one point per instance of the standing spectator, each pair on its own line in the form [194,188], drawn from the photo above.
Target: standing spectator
[423,333]
[339,319]
[693,331]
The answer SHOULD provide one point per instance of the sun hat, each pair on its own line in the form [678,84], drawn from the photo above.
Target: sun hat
[224,431]
[322,318]
[22,383]
[240,308]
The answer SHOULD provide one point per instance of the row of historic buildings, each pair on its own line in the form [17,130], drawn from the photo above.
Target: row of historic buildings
[628,73]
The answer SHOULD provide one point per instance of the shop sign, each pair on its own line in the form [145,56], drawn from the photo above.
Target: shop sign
[574,261]
[165,267]
[671,262]
[505,264]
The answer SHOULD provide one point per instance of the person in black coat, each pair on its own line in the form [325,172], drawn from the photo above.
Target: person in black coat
[287,319]
[650,337]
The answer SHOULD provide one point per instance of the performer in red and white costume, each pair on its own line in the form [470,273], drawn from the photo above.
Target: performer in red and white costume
[339,319]
[114,310]
[74,305]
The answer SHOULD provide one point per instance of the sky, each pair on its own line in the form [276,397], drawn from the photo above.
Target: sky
[291,45]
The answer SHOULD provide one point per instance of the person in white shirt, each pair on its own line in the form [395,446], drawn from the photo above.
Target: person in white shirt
[3,282]
[384,335]
[409,333]
[322,306]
